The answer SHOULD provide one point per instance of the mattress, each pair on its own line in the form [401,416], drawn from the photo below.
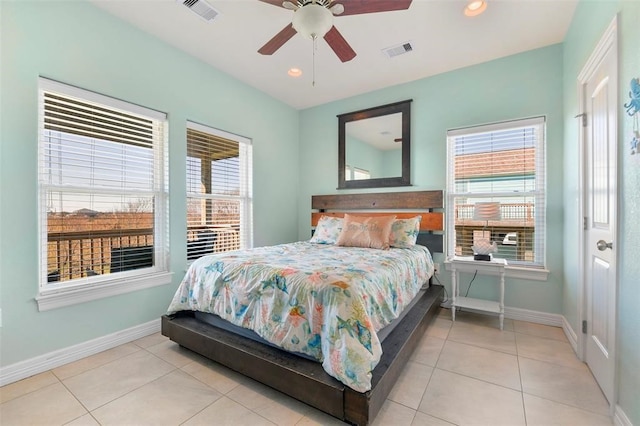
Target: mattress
[216,321]
[324,301]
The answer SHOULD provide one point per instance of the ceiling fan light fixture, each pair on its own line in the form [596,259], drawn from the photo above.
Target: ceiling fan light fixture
[337,9]
[475,7]
[312,20]
[289,5]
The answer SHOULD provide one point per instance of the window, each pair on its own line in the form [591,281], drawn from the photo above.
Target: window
[103,196]
[502,164]
[219,197]
[355,173]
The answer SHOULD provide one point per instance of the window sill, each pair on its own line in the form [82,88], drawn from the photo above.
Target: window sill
[533,274]
[48,300]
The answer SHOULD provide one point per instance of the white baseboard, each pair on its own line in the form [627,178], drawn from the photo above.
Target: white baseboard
[571,335]
[537,317]
[620,418]
[27,368]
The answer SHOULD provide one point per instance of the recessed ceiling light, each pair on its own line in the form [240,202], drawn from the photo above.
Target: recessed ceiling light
[295,72]
[475,7]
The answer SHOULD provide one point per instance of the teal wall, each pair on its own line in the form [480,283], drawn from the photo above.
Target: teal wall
[392,163]
[41,38]
[364,156]
[79,44]
[524,85]
[379,163]
[590,21]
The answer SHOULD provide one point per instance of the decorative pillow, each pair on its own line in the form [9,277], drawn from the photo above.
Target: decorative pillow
[363,231]
[327,230]
[404,232]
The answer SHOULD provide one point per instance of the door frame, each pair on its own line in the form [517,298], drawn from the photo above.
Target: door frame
[607,43]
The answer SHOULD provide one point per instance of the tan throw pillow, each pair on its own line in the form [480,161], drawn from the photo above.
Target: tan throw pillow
[364,231]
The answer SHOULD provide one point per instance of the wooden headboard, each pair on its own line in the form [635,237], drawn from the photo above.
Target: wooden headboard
[403,204]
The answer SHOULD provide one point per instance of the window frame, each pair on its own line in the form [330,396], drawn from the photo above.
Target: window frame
[536,270]
[352,171]
[80,290]
[246,182]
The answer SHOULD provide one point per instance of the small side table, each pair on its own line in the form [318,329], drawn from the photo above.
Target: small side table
[495,267]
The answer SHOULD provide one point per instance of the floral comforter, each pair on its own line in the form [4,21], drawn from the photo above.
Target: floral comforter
[322,300]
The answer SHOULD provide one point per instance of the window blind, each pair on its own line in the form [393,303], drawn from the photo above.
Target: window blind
[500,163]
[219,199]
[102,180]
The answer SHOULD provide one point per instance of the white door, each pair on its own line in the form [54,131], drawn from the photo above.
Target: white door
[600,138]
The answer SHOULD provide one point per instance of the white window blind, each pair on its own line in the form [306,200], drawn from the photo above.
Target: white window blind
[102,184]
[501,163]
[219,195]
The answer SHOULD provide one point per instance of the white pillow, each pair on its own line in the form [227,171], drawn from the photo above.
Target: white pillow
[327,230]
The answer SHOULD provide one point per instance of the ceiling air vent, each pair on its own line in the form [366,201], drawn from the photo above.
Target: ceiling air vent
[398,50]
[201,8]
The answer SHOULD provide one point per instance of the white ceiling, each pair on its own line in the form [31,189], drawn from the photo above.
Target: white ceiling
[442,37]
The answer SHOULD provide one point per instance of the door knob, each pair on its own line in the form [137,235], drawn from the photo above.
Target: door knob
[603,245]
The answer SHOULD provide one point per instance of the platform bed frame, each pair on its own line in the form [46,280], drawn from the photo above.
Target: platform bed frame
[304,379]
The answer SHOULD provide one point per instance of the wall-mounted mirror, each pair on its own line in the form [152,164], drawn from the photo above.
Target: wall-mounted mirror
[374,147]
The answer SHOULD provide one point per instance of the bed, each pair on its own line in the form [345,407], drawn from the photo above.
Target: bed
[344,356]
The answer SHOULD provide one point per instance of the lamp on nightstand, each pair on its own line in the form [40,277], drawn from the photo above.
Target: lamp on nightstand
[483,247]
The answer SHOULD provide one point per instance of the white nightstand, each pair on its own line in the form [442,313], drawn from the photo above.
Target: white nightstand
[467,264]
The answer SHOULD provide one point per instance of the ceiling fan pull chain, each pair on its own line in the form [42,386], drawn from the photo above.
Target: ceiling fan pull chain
[313,82]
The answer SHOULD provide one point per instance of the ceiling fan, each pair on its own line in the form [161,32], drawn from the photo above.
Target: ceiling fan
[314,19]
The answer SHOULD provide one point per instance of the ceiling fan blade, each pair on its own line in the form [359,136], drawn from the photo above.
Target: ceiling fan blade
[339,45]
[278,40]
[357,7]
[273,2]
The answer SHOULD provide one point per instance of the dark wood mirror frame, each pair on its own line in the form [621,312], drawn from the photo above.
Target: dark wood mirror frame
[403,107]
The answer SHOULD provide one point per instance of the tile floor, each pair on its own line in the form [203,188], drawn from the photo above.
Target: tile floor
[462,373]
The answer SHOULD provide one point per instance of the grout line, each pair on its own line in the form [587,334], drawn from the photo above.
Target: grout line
[582,367]
[484,347]
[31,391]
[477,379]
[95,366]
[568,405]
[79,402]
[203,408]
[428,382]
[193,361]
[132,390]
[524,407]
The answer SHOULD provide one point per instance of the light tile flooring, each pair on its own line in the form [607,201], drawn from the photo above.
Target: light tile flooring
[465,373]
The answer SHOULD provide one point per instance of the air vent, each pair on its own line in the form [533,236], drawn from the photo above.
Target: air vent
[398,50]
[201,8]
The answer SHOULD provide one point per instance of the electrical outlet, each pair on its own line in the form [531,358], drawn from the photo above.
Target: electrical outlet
[436,268]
